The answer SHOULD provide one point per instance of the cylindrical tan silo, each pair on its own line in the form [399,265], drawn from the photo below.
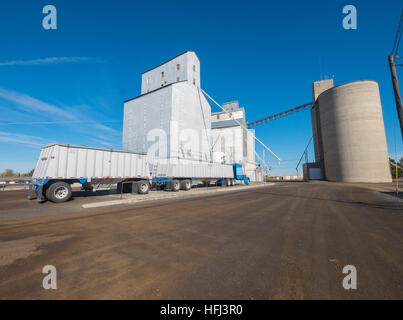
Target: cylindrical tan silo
[353,133]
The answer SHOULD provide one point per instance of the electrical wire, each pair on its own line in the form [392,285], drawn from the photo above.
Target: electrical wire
[398,36]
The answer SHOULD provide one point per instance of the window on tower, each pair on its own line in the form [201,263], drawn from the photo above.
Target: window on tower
[178,66]
[162,74]
[194,67]
[194,81]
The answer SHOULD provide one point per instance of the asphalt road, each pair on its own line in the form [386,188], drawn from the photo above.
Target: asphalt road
[288,241]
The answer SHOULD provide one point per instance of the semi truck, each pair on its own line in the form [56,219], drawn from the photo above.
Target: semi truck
[61,165]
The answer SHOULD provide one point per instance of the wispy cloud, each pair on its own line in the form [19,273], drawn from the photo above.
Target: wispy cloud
[107,129]
[102,142]
[32,104]
[51,60]
[22,138]
[44,113]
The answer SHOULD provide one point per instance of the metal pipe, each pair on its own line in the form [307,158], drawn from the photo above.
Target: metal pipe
[242,126]
[396,89]
[279,115]
[305,151]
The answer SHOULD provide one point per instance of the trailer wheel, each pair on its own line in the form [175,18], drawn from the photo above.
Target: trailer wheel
[232,182]
[175,186]
[143,187]
[186,185]
[58,192]
[227,182]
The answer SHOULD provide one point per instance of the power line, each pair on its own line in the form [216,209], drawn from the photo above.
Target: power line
[398,36]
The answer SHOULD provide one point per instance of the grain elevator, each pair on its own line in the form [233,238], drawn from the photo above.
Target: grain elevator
[172,119]
[348,133]
[231,143]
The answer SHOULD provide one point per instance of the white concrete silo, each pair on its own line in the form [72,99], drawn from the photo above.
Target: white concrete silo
[353,134]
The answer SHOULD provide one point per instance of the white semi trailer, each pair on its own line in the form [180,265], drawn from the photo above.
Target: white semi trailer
[60,165]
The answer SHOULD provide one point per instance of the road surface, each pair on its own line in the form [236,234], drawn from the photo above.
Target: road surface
[287,241]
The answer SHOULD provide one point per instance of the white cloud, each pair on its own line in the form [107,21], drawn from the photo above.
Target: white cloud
[21,138]
[101,142]
[31,104]
[51,60]
[107,129]
[42,113]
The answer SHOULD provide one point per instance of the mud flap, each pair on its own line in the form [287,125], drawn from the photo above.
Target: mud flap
[135,187]
[31,195]
[39,194]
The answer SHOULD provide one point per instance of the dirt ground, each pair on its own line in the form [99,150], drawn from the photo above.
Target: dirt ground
[283,241]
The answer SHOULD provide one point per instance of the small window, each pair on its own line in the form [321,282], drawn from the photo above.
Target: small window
[148,80]
[162,84]
[218,116]
[194,81]
[162,74]
[178,67]
[194,67]
[177,79]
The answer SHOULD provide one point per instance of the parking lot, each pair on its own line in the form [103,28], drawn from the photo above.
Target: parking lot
[282,241]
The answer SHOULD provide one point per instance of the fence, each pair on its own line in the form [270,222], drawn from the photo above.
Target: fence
[6,182]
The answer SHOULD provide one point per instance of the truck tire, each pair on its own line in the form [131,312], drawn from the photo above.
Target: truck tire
[143,187]
[232,182]
[227,182]
[175,185]
[58,192]
[186,185]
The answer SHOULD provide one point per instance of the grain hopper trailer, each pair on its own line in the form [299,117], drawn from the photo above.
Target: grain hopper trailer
[60,165]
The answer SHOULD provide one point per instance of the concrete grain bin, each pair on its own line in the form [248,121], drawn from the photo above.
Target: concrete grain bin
[353,134]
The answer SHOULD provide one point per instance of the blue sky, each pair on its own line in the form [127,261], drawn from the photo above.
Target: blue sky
[68,85]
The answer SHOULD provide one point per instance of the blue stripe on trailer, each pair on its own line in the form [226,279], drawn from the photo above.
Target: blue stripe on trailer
[38,182]
[162,179]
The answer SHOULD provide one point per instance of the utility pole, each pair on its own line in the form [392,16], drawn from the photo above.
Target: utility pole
[396,89]
[392,66]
